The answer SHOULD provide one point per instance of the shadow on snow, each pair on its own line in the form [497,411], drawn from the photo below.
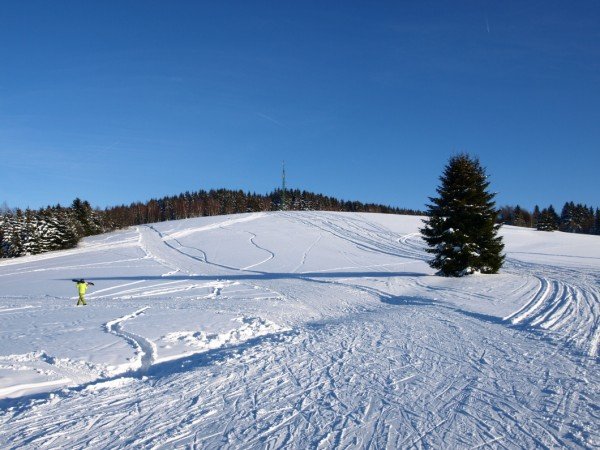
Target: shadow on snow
[252,275]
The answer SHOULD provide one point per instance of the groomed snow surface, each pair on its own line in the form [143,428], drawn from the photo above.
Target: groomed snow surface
[299,330]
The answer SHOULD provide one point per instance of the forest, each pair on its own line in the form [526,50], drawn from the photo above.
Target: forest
[29,232]
[574,218]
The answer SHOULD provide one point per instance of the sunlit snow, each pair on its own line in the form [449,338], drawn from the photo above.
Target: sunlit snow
[299,330]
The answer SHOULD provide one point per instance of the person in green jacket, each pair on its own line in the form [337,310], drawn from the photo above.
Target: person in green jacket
[82,286]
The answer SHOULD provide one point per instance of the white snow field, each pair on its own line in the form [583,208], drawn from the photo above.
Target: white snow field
[299,330]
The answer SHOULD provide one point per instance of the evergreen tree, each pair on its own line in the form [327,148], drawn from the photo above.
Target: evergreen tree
[522,217]
[15,245]
[88,220]
[31,239]
[461,230]
[506,215]
[535,216]
[67,230]
[588,224]
[548,220]
[567,218]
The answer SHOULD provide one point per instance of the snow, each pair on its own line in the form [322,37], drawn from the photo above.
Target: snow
[299,329]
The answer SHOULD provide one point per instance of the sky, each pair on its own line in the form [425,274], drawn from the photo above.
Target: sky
[122,101]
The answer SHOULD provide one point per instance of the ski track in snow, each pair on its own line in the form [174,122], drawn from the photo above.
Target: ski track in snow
[270,257]
[568,310]
[365,235]
[307,252]
[374,378]
[145,350]
[359,383]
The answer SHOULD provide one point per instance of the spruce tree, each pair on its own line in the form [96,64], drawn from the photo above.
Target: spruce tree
[535,216]
[461,230]
[15,244]
[87,218]
[553,218]
[548,220]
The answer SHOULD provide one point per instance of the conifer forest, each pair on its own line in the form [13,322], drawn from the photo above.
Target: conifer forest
[29,232]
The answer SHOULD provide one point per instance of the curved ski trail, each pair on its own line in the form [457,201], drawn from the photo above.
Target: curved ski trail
[568,310]
[253,242]
[145,350]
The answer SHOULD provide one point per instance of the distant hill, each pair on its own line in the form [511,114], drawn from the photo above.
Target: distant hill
[56,227]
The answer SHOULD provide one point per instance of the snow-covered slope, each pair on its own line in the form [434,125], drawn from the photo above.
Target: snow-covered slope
[303,330]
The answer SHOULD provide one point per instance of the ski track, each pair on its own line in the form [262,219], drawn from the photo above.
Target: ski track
[307,252]
[566,306]
[145,350]
[270,257]
[67,372]
[366,235]
[374,379]
[357,383]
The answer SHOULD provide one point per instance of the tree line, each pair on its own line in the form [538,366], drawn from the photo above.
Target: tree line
[225,201]
[29,232]
[574,218]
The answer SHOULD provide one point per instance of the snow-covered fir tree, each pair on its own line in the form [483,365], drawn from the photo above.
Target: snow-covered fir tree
[461,230]
[87,219]
[31,232]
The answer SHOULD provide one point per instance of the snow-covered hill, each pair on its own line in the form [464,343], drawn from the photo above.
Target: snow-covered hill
[303,330]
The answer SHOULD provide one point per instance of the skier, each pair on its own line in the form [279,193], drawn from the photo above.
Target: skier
[82,286]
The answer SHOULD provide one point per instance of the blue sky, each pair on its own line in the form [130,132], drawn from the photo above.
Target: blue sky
[123,101]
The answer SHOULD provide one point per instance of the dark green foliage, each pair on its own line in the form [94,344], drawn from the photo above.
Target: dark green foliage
[535,216]
[574,218]
[86,219]
[461,230]
[577,218]
[548,220]
[224,201]
[516,216]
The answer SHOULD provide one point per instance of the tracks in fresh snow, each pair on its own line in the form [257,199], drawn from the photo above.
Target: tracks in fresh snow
[145,350]
[365,234]
[399,376]
[270,257]
[566,305]
[408,373]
